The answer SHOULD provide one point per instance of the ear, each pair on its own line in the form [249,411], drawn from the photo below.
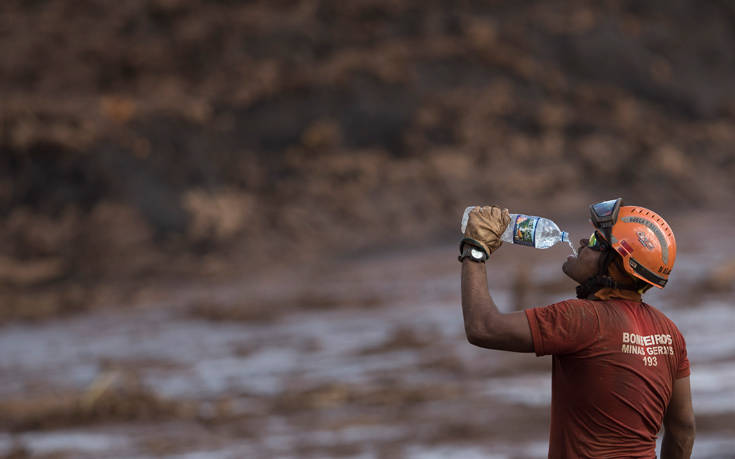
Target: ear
[616,271]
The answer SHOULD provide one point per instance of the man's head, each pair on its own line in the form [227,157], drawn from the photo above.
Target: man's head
[632,248]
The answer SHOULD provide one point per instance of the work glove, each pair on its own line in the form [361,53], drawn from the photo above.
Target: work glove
[484,227]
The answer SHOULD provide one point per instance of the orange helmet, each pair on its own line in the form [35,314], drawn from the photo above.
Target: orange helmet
[640,236]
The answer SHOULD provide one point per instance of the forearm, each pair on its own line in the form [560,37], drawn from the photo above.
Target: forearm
[677,443]
[478,308]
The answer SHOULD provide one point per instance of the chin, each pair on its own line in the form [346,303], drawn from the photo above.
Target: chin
[565,269]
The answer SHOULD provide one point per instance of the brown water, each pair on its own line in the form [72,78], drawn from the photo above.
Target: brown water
[375,364]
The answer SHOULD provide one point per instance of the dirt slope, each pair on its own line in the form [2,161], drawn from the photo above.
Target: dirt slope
[140,136]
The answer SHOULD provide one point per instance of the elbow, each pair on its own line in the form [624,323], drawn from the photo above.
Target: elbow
[472,337]
[478,336]
[686,427]
[690,431]
[480,324]
[683,431]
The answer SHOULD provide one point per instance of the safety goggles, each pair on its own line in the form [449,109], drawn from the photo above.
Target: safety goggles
[603,215]
[597,243]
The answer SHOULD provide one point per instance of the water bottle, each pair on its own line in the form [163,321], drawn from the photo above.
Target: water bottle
[538,232]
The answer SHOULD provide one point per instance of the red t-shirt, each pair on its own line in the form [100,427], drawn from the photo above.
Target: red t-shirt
[614,366]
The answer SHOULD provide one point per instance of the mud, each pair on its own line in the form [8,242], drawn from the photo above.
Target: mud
[227,229]
[387,374]
[175,137]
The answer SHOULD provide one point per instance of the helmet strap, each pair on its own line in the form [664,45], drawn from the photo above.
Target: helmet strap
[593,284]
[601,279]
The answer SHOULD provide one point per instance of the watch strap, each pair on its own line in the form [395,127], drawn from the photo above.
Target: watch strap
[472,252]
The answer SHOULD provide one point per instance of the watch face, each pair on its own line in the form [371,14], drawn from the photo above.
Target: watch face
[477,254]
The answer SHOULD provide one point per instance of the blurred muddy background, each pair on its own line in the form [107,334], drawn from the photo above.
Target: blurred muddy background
[228,229]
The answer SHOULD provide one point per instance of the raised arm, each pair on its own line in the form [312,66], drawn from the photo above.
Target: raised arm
[484,325]
[679,423]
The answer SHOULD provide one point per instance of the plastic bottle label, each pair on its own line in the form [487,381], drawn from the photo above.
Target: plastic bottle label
[524,230]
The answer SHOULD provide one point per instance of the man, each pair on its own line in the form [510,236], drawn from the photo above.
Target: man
[620,366]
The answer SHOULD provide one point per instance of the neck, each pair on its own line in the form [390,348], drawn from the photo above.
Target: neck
[615,293]
[605,288]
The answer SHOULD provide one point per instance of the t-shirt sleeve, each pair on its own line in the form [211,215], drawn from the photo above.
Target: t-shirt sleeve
[563,328]
[683,370]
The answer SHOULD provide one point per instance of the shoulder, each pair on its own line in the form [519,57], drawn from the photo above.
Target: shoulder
[605,312]
[665,323]
[573,305]
[661,316]
[565,327]
[571,309]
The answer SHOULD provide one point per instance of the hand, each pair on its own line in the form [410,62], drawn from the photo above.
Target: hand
[484,228]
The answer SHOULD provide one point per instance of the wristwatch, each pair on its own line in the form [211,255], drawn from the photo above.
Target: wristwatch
[473,253]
